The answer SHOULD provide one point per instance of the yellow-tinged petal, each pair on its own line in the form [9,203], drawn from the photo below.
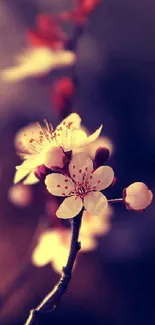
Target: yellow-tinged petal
[93,136]
[88,242]
[42,255]
[73,118]
[26,167]
[59,185]
[37,61]
[20,174]
[69,208]
[31,179]
[95,203]
[60,258]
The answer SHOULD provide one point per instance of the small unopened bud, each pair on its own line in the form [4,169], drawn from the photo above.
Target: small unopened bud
[20,195]
[55,158]
[101,155]
[41,172]
[137,196]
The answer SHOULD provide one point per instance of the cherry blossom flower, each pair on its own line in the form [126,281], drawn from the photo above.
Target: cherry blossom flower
[20,195]
[35,146]
[53,244]
[37,61]
[137,196]
[82,188]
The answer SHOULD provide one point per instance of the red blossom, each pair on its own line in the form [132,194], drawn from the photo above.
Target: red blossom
[62,93]
[47,33]
[87,6]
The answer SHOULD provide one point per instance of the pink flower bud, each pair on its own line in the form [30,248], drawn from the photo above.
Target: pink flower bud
[101,155]
[41,172]
[55,158]
[137,196]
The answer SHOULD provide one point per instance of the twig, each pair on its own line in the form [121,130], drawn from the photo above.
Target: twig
[54,297]
[116,200]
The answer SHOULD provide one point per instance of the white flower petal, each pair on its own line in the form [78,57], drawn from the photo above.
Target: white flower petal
[59,185]
[101,178]
[73,118]
[95,203]
[31,179]
[69,208]
[80,166]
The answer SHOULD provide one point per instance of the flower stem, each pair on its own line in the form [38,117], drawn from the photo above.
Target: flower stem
[54,297]
[116,200]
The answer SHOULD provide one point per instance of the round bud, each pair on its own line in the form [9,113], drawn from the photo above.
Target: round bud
[41,172]
[137,196]
[55,158]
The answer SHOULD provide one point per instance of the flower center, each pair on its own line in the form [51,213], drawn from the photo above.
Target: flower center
[35,142]
[81,190]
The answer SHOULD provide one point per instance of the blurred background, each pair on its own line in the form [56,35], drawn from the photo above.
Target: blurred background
[115,69]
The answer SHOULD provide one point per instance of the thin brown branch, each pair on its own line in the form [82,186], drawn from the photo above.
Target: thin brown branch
[54,297]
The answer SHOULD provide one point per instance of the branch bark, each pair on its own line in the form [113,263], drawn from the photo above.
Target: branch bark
[54,297]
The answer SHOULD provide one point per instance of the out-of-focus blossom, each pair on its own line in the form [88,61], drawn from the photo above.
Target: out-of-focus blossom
[47,33]
[62,93]
[82,188]
[96,225]
[137,196]
[87,6]
[37,61]
[53,245]
[20,195]
[81,13]
[67,136]
[52,248]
